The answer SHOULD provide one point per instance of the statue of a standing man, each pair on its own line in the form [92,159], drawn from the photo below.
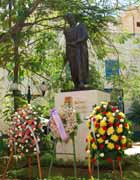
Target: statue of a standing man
[76,51]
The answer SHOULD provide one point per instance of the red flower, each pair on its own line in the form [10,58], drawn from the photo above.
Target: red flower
[104,113]
[101,146]
[30,122]
[104,137]
[97,125]
[117,147]
[118,158]
[120,137]
[114,109]
[94,119]
[123,146]
[117,124]
[23,126]
[125,125]
[119,117]
[93,140]
[104,128]
[109,160]
[110,124]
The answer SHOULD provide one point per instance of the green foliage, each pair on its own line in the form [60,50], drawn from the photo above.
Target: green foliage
[95,78]
[8,105]
[134,114]
[36,34]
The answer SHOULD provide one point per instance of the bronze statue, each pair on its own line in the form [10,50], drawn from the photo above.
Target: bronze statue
[76,51]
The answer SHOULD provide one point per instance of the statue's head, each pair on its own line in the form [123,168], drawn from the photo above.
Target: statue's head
[69,17]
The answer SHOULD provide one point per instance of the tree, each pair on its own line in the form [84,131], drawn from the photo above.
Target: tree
[29,31]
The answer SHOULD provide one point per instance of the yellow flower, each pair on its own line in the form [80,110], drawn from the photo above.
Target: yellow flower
[89,137]
[100,140]
[126,125]
[104,103]
[88,123]
[94,146]
[98,117]
[114,138]
[101,131]
[122,114]
[119,130]
[97,107]
[93,113]
[103,123]
[111,119]
[110,131]
[123,141]
[109,114]
[110,146]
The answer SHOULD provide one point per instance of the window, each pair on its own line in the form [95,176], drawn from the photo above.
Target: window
[138,24]
[111,68]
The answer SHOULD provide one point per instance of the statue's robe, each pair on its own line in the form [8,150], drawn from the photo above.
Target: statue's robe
[77,55]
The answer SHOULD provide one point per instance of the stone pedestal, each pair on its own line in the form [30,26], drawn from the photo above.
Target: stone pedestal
[83,102]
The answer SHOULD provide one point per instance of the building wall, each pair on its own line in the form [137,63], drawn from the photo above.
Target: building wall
[129,51]
[130,20]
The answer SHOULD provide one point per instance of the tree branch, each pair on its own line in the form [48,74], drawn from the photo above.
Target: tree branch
[19,25]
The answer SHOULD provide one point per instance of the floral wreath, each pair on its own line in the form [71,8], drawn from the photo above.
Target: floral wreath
[109,133]
[25,131]
[69,119]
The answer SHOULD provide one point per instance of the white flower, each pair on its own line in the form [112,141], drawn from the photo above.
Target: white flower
[34,149]
[117,110]
[106,141]
[102,155]
[121,120]
[105,118]
[26,141]
[88,151]
[121,125]
[105,106]
[98,135]
[26,150]
[113,114]
[16,143]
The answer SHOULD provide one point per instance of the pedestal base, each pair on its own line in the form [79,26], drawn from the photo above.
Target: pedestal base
[83,102]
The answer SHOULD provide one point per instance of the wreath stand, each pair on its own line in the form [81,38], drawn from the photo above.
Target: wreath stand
[73,154]
[29,166]
[90,169]
[120,170]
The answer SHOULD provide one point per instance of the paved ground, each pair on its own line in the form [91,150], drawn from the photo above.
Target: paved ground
[134,150]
